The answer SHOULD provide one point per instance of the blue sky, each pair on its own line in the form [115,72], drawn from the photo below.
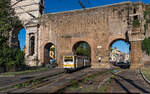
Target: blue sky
[22,38]
[52,6]
[122,46]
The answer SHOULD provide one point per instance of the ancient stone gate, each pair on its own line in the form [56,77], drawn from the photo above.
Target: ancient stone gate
[98,26]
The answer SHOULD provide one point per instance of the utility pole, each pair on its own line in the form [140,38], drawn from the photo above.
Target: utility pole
[16,3]
[81,4]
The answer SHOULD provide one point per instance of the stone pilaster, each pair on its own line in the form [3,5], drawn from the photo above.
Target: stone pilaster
[135,54]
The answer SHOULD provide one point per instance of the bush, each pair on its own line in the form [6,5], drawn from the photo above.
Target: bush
[11,58]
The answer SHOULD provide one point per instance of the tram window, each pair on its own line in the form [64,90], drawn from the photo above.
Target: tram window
[68,60]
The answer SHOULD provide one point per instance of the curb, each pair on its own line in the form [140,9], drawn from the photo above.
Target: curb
[144,77]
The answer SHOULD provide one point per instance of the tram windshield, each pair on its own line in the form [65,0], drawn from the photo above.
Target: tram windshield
[68,59]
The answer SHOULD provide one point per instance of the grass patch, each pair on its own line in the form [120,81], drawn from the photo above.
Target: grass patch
[105,86]
[25,72]
[32,83]
[88,78]
[75,84]
[22,85]
[86,84]
[146,72]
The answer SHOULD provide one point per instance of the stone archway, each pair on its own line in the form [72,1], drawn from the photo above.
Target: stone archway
[85,46]
[82,48]
[49,52]
[89,41]
[13,37]
[135,51]
[119,51]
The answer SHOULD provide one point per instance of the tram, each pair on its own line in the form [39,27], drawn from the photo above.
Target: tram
[74,62]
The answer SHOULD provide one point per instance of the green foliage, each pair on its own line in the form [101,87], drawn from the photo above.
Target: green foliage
[9,57]
[146,27]
[146,72]
[146,45]
[147,16]
[8,22]
[75,83]
[83,51]
[22,85]
[136,23]
[105,86]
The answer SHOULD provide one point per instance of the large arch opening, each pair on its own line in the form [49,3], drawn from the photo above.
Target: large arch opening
[120,53]
[82,48]
[22,38]
[49,54]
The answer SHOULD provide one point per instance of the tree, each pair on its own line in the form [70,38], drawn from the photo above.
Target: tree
[84,50]
[8,22]
[146,45]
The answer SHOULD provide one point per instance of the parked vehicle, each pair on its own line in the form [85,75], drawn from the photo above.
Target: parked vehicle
[52,61]
[74,62]
[123,64]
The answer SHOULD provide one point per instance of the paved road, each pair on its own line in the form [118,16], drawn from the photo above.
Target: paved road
[5,81]
[129,81]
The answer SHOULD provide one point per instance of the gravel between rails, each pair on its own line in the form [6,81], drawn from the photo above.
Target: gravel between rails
[30,78]
[129,81]
[59,82]
[66,81]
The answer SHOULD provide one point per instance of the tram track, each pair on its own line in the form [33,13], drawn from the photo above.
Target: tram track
[91,84]
[47,83]
[41,83]
[30,79]
[129,81]
[125,81]
[58,82]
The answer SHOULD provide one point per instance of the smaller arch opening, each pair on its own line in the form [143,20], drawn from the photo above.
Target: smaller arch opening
[134,11]
[32,43]
[49,54]
[120,53]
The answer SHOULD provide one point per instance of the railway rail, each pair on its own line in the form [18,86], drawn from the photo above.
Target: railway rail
[129,81]
[10,82]
[91,84]
[125,81]
[55,83]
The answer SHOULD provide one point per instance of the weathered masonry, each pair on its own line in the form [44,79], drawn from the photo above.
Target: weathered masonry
[29,12]
[99,27]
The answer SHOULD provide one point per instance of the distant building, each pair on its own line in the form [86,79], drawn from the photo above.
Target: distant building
[114,55]
[117,56]
[127,57]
